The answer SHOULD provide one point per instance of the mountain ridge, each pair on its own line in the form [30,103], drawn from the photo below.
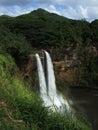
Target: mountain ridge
[43,29]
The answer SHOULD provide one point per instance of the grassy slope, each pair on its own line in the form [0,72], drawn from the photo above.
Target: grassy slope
[22,109]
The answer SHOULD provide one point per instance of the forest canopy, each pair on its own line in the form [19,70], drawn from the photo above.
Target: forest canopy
[43,29]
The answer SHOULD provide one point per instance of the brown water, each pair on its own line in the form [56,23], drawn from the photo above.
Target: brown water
[87,100]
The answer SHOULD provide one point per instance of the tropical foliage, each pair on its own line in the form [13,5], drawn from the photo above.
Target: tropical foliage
[20,107]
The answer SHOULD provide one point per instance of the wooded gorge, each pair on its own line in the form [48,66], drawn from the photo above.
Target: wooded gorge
[22,35]
[73,45]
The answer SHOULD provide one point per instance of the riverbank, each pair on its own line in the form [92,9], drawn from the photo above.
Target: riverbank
[84,103]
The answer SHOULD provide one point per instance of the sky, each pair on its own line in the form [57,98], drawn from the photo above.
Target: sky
[74,9]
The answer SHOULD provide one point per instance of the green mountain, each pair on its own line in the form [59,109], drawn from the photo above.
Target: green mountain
[43,29]
[20,35]
[20,106]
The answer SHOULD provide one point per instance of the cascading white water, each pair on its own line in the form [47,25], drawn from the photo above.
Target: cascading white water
[50,76]
[50,96]
[56,98]
[42,82]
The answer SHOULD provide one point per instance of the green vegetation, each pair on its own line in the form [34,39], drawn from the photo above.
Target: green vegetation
[87,73]
[43,29]
[20,35]
[14,44]
[21,108]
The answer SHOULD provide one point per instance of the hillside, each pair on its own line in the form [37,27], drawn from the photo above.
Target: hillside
[42,29]
[75,39]
[73,45]
[22,109]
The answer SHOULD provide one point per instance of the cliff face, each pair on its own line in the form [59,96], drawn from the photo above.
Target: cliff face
[65,72]
[78,64]
[67,63]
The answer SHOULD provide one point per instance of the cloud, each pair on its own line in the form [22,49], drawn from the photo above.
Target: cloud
[78,12]
[60,2]
[15,10]
[18,10]
[84,11]
[51,8]
[75,9]
[69,12]
[14,2]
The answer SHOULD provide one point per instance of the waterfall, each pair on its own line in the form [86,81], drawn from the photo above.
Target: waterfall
[56,98]
[42,81]
[50,76]
[49,93]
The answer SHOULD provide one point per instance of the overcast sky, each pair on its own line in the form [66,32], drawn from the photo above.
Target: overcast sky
[74,9]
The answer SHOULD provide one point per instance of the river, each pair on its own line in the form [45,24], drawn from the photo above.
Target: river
[87,101]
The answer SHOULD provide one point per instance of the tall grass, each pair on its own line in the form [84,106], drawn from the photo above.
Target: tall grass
[20,103]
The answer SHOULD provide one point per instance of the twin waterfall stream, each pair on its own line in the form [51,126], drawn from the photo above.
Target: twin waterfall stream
[48,90]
